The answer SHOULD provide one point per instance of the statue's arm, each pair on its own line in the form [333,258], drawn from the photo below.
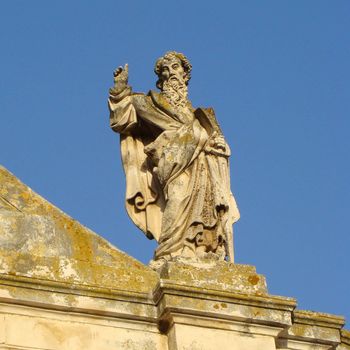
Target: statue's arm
[123,117]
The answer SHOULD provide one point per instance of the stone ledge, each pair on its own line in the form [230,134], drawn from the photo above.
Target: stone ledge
[215,275]
[173,318]
[269,301]
[318,319]
[249,309]
[17,281]
[310,327]
[118,306]
[345,337]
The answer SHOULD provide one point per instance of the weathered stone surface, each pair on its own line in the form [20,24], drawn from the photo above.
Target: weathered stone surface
[227,300]
[28,327]
[313,330]
[39,241]
[63,287]
[215,275]
[345,340]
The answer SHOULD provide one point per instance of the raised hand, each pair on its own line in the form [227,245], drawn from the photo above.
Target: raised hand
[120,79]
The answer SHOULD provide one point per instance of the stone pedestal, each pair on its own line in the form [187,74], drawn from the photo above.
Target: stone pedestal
[218,306]
[64,287]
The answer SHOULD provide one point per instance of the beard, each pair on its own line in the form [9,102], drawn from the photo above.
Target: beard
[175,91]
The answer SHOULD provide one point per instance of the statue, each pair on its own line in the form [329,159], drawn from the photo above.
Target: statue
[176,165]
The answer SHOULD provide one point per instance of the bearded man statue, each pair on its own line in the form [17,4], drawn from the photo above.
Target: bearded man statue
[176,165]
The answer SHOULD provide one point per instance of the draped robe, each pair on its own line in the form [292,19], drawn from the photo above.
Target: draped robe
[177,184]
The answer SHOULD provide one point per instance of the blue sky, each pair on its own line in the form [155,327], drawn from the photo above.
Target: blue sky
[276,73]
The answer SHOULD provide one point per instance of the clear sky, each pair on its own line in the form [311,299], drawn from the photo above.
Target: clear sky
[277,74]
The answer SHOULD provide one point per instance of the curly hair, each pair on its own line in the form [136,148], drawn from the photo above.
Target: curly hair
[168,56]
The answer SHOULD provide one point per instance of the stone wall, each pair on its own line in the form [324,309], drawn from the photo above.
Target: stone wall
[64,287]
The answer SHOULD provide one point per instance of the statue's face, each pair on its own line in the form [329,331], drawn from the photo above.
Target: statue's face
[172,69]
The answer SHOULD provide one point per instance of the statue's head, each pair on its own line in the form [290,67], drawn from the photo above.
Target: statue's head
[172,66]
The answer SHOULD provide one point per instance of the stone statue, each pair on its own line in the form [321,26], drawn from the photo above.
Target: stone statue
[176,165]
